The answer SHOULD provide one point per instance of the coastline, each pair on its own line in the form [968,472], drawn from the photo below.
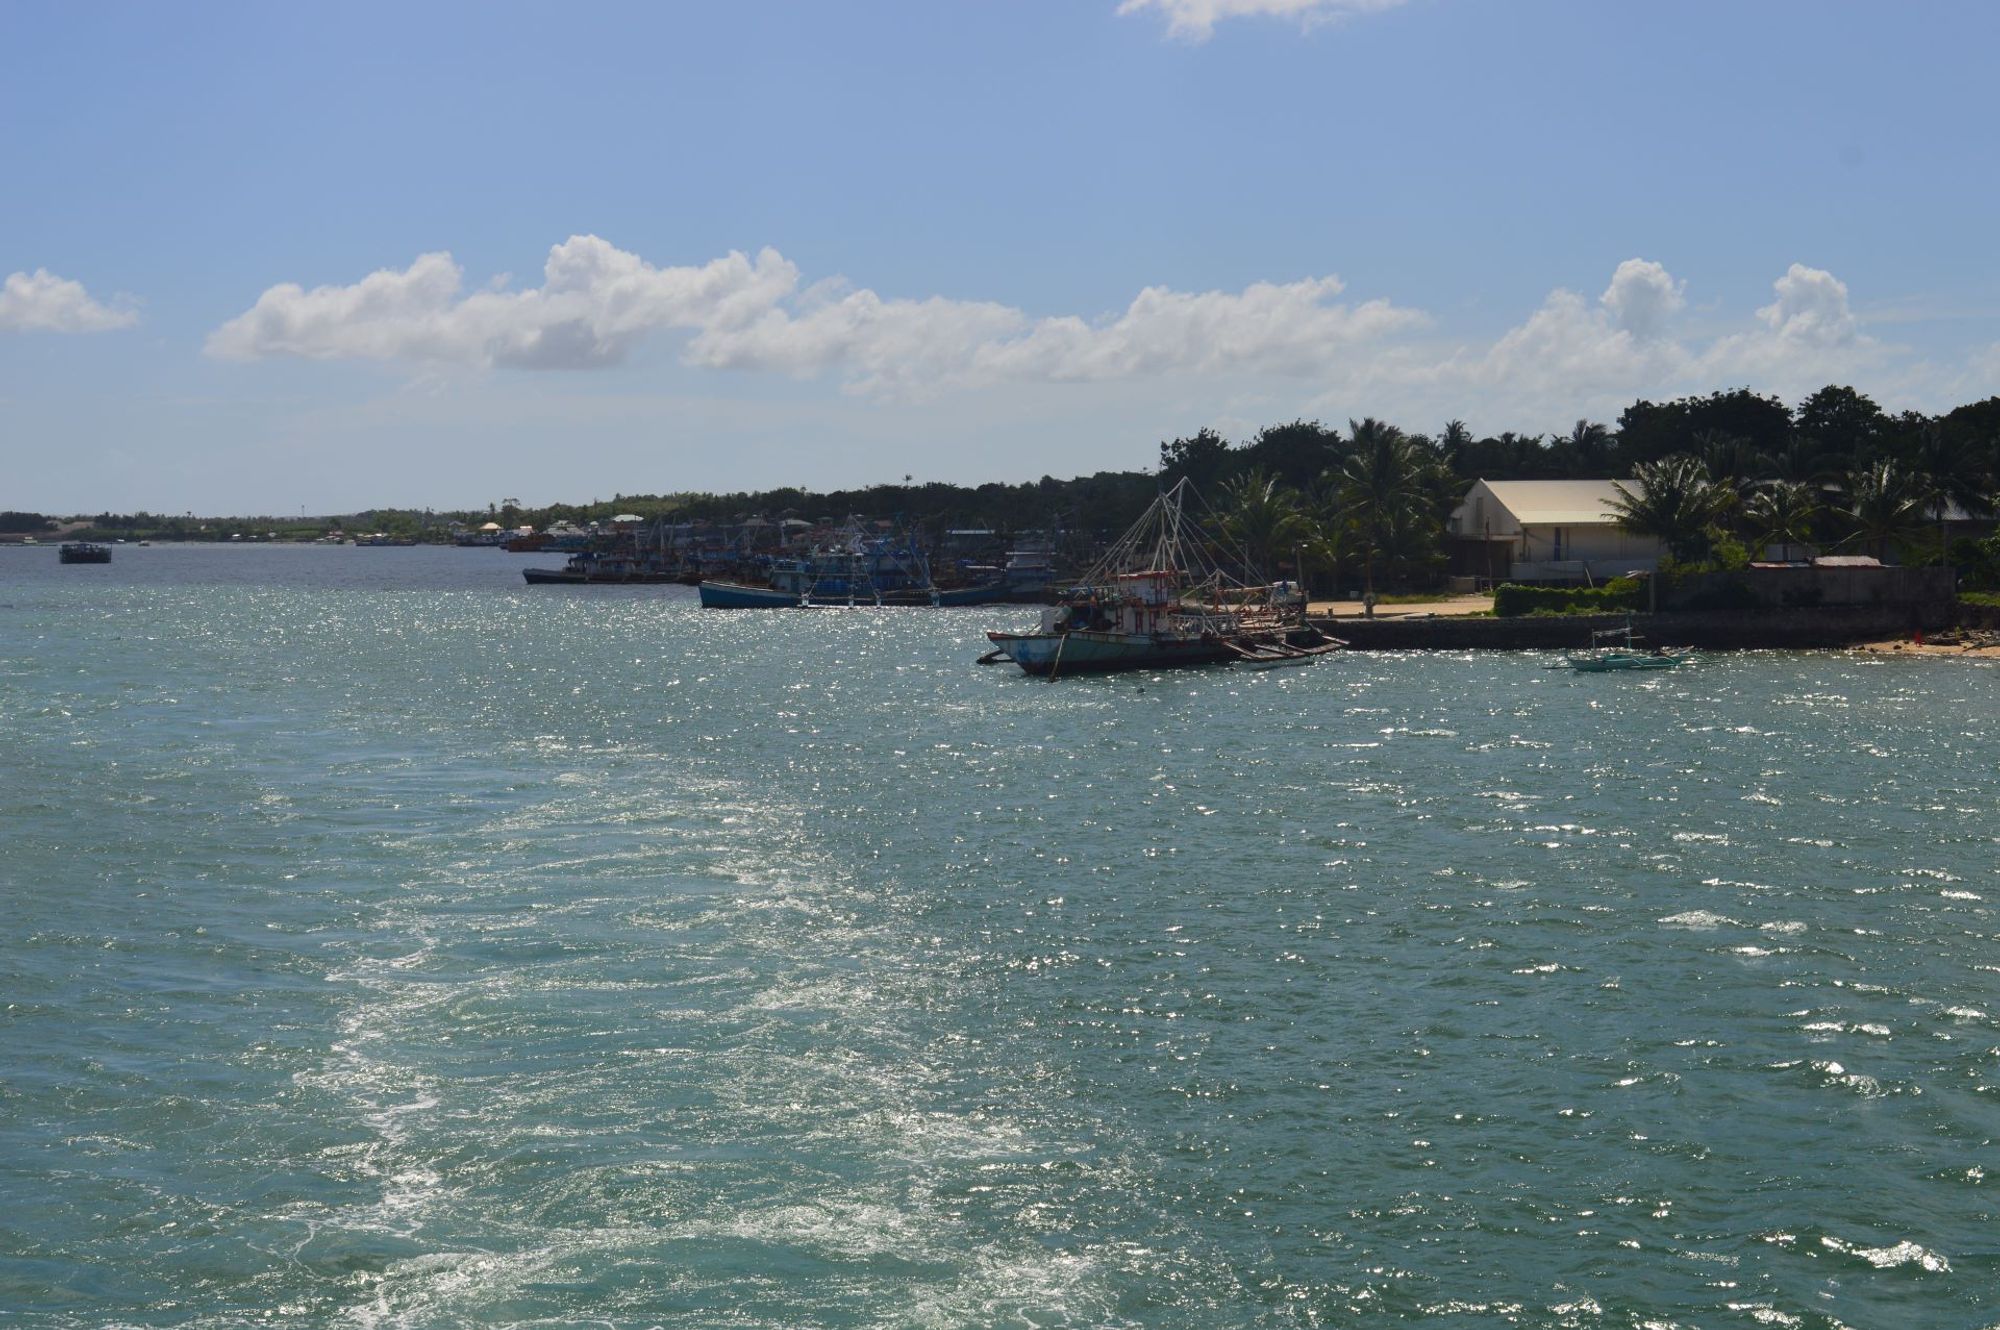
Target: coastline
[1908,647]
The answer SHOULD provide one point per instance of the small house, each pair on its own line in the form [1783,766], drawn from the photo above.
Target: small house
[1545,531]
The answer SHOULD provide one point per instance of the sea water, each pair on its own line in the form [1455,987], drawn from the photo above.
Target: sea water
[389,943]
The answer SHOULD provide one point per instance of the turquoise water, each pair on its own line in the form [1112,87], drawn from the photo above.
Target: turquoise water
[391,944]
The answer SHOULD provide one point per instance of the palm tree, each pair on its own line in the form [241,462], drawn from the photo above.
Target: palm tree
[1526,455]
[1782,513]
[1329,535]
[1802,459]
[1455,439]
[1264,516]
[1953,473]
[1885,503]
[1676,503]
[1735,465]
[1589,445]
[1380,487]
[1441,486]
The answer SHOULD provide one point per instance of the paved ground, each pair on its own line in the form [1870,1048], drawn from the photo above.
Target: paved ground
[1455,605]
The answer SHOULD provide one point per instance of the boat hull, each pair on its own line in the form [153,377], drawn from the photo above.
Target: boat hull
[1611,664]
[1088,652]
[736,596]
[565,577]
[992,593]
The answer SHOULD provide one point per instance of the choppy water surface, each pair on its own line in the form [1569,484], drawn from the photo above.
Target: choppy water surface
[389,944]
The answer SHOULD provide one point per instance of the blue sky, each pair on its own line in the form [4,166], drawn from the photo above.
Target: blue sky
[260,258]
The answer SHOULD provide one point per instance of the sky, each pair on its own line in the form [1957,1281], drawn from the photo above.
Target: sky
[269,259]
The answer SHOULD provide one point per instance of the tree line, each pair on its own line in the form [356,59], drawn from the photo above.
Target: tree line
[1714,478]
[1366,506]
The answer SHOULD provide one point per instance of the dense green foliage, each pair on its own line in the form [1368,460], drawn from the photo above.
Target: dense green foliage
[1616,596]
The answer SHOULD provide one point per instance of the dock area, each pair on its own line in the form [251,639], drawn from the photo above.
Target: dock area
[1822,626]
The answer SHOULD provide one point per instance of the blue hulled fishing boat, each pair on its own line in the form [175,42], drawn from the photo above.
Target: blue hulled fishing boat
[859,570]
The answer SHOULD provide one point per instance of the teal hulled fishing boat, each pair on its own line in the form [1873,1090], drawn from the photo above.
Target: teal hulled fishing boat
[1616,649]
[1162,597]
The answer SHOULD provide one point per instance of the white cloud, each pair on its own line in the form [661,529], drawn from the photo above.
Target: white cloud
[1195,20]
[1571,350]
[1807,337]
[1293,346]
[1575,357]
[596,301]
[43,302]
[1294,328]
[1811,308]
[1642,297]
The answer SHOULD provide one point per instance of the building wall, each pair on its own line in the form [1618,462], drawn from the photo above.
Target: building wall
[1825,626]
[1809,588]
[1539,551]
[1594,543]
[1593,553]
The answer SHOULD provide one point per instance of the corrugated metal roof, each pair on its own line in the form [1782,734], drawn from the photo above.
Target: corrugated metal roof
[1559,502]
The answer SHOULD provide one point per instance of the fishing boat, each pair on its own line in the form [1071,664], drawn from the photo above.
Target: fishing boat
[717,595]
[1161,597]
[600,566]
[1614,649]
[83,551]
[1027,576]
[618,558]
[859,569]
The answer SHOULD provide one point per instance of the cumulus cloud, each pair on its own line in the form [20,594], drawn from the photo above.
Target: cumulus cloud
[1570,346]
[1195,20]
[596,301]
[1627,343]
[903,346]
[1573,356]
[1807,333]
[43,302]
[1642,297]
[1811,308]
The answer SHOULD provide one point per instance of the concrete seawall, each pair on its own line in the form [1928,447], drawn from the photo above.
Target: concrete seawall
[1828,626]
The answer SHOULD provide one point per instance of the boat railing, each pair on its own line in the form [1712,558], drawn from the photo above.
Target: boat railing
[1208,623]
[1617,636]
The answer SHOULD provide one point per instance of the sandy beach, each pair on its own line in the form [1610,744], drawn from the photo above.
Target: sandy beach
[1908,647]
[1343,609]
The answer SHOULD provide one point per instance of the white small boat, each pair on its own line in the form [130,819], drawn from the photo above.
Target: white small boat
[1616,649]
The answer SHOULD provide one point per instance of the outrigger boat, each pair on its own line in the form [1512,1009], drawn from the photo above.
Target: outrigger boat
[1159,598]
[1617,649]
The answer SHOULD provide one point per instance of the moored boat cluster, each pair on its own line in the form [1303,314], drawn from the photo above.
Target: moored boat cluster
[855,563]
